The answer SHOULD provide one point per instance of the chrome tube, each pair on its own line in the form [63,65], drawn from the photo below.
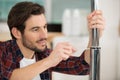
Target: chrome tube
[95,63]
[94,49]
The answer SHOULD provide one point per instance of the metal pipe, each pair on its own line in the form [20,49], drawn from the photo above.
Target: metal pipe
[94,49]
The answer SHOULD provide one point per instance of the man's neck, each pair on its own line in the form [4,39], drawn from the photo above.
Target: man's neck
[27,53]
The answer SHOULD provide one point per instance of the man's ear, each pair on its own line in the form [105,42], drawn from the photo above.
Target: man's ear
[16,33]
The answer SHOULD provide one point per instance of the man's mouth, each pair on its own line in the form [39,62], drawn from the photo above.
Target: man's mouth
[42,42]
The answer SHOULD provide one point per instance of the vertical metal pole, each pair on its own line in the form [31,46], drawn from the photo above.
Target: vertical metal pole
[94,49]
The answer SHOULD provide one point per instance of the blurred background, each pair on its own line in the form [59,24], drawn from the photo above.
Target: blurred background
[67,22]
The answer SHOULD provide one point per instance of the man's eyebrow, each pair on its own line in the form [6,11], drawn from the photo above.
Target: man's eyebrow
[35,27]
[39,26]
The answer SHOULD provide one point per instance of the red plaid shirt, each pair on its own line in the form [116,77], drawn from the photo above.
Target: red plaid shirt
[10,56]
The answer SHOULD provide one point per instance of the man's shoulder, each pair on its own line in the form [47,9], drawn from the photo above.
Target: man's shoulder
[7,43]
[7,46]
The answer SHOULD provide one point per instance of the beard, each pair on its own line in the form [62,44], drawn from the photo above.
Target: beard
[28,44]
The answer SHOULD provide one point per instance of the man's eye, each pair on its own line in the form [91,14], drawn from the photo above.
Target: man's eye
[45,26]
[35,29]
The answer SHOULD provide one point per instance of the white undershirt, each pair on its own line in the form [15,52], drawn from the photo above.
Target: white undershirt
[25,62]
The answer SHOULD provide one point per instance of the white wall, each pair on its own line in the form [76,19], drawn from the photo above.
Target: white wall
[118,75]
[4,27]
[109,41]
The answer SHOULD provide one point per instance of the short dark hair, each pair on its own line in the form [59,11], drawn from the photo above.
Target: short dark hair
[20,13]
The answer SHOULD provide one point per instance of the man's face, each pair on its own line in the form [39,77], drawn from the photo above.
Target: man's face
[35,33]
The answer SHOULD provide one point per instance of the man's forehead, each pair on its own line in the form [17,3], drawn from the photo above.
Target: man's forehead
[38,20]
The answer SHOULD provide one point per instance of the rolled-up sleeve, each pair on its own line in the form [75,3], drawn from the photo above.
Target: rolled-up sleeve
[74,65]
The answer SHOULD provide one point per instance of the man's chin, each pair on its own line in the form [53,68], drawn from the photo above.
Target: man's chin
[41,49]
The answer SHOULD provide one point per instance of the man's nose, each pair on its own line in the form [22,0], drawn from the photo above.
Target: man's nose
[43,32]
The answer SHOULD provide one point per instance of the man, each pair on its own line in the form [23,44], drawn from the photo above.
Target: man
[26,56]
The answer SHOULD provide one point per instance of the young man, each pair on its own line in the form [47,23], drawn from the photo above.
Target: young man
[26,56]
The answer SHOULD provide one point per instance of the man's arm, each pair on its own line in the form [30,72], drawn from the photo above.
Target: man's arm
[95,20]
[73,65]
[61,52]
[29,72]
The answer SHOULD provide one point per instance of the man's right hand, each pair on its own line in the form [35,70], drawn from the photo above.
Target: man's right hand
[62,51]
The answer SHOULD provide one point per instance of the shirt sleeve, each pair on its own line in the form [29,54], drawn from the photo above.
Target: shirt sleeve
[5,65]
[74,65]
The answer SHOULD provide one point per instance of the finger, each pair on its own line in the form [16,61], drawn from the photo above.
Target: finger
[99,26]
[98,21]
[68,52]
[65,56]
[69,47]
[91,15]
[94,22]
[98,17]
[98,12]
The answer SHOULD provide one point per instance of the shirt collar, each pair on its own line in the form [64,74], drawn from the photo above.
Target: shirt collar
[18,54]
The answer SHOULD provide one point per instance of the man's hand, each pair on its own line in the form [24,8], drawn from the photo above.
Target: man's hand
[96,20]
[62,51]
